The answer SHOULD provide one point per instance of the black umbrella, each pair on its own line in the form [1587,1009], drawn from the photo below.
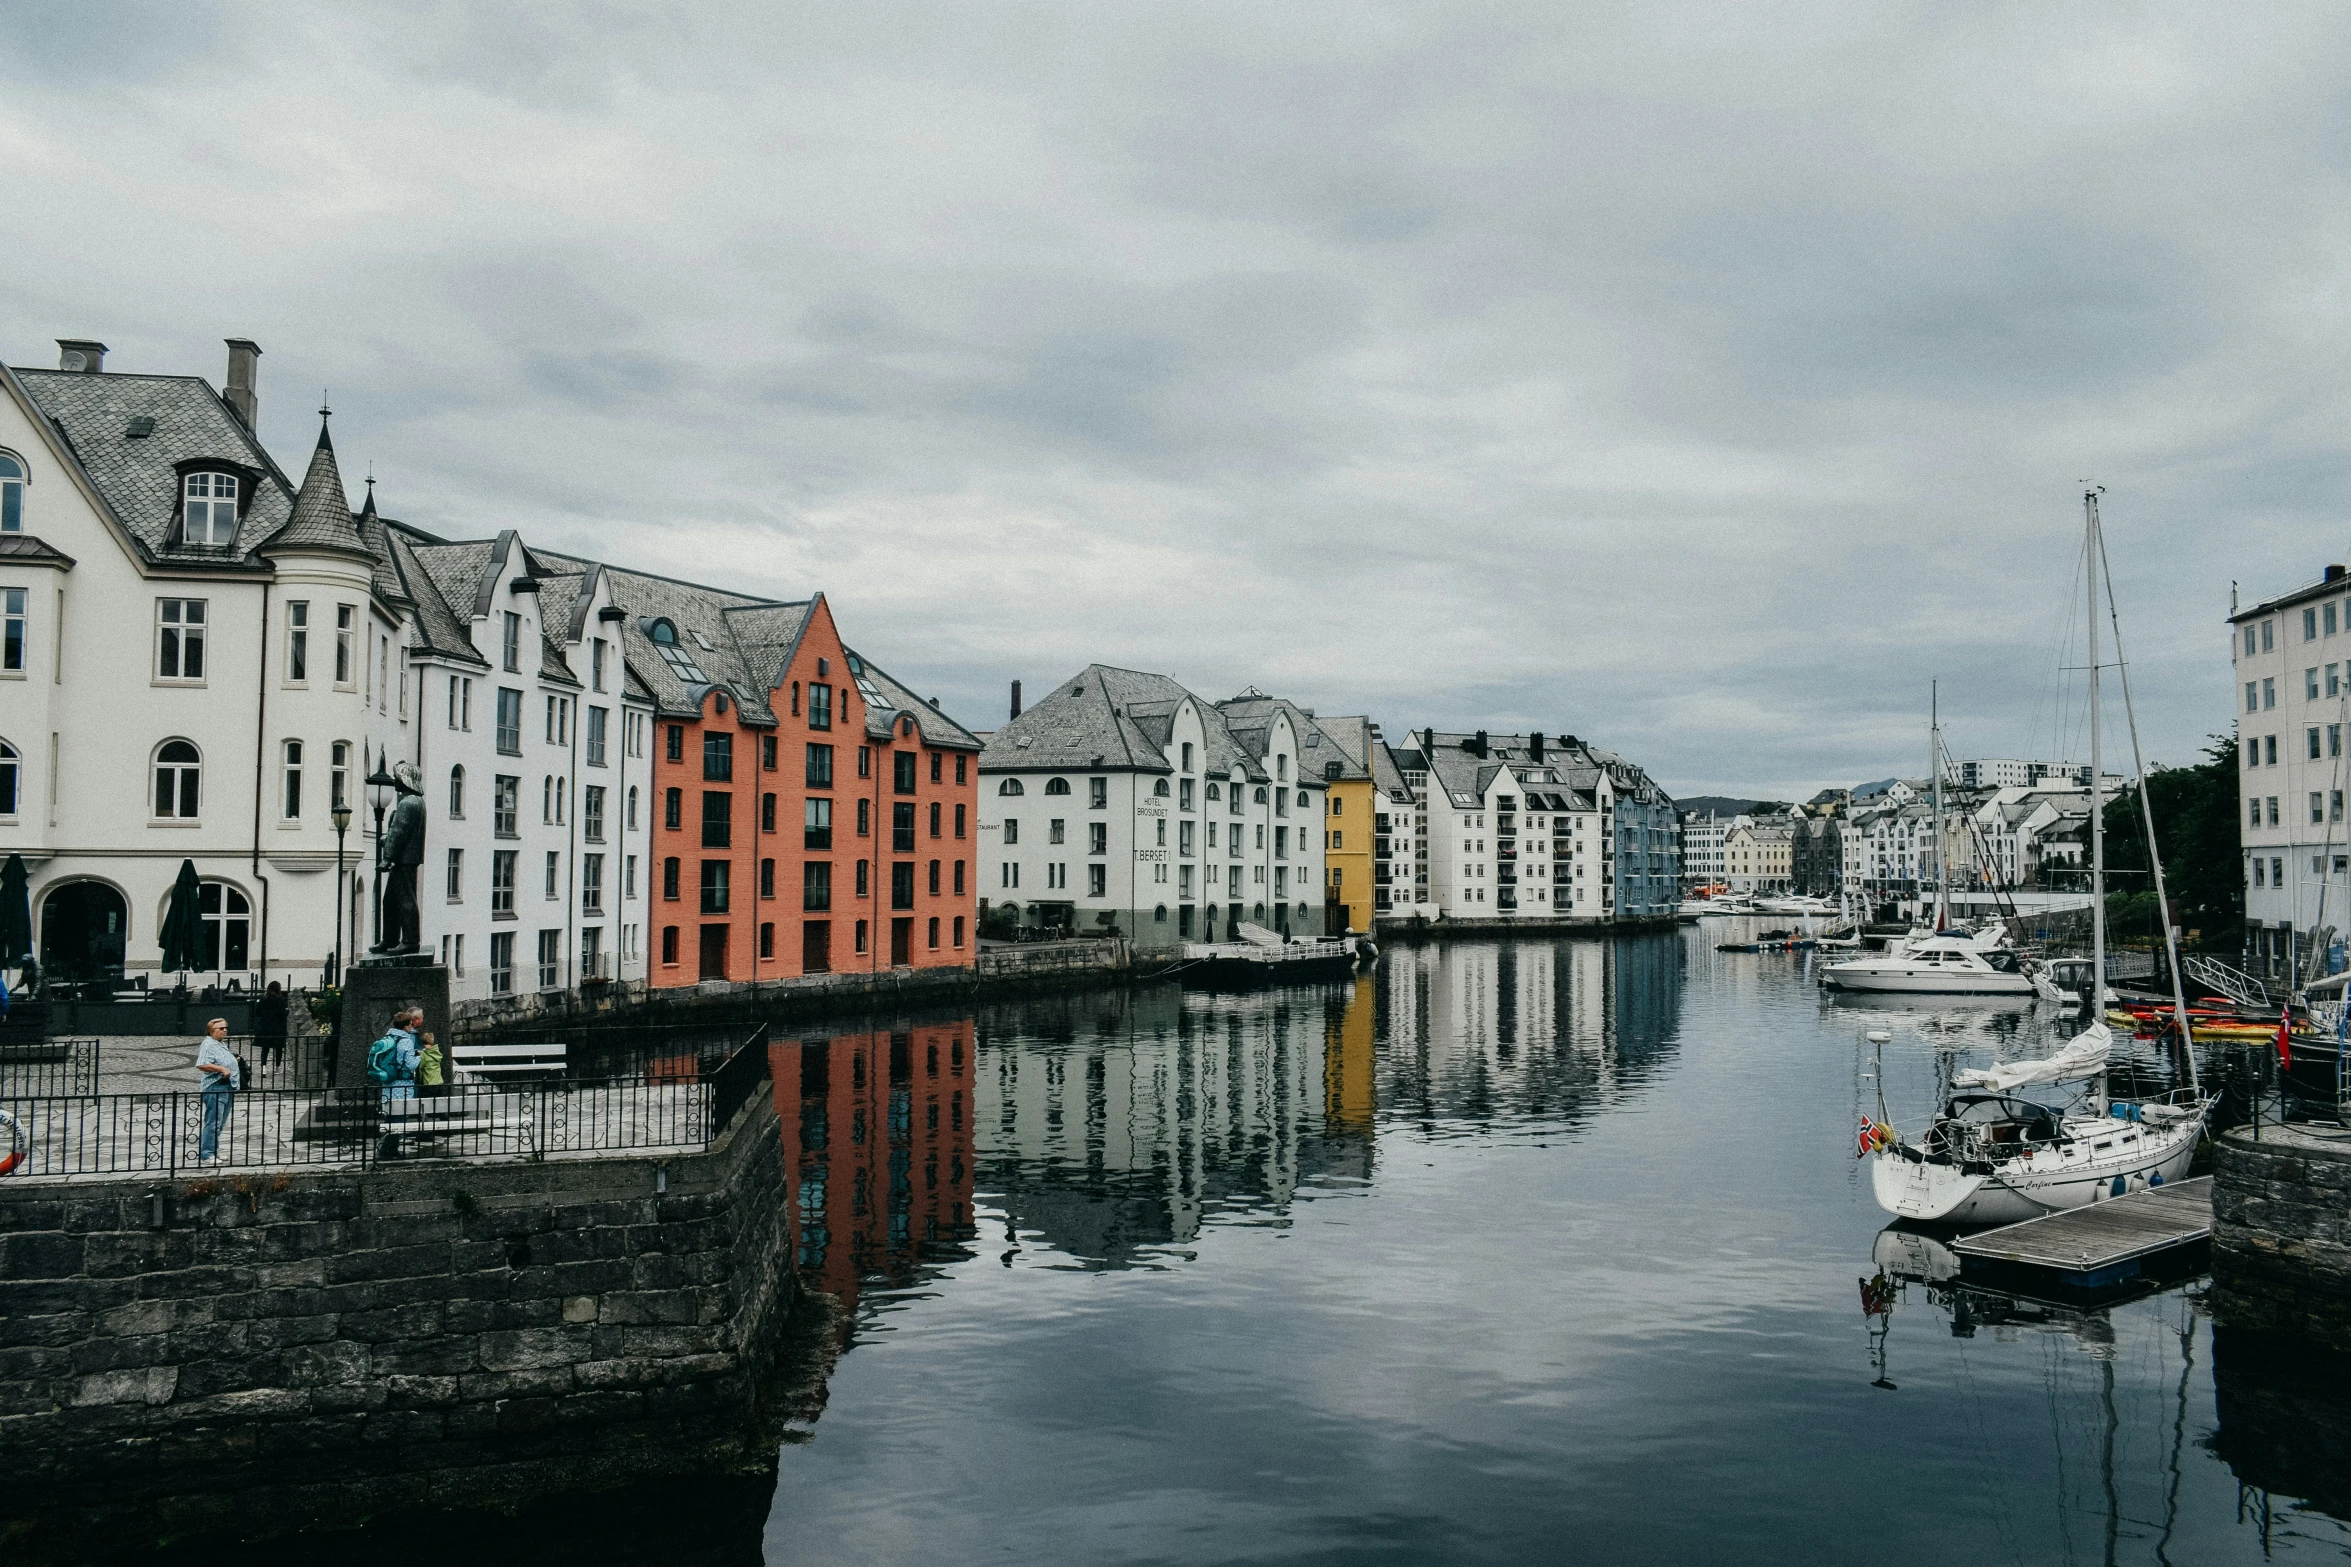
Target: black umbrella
[16,912]
[183,921]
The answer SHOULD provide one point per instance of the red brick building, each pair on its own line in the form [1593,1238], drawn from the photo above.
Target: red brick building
[810,814]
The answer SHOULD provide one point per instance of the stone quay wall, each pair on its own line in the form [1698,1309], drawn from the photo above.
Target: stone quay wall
[170,1352]
[2281,1235]
[995,973]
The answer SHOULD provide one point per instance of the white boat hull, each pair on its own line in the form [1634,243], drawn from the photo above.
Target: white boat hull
[2048,1182]
[1895,981]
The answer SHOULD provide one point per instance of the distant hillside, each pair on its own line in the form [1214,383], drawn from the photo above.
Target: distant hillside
[1724,805]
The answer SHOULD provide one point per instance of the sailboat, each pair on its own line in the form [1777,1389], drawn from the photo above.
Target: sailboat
[1991,1156]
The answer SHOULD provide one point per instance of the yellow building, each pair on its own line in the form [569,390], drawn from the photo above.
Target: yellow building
[1350,806]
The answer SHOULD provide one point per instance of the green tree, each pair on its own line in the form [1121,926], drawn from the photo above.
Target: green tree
[2195,811]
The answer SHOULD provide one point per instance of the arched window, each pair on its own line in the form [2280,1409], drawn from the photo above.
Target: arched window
[339,776]
[456,794]
[1213,793]
[209,513]
[1159,789]
[663,634]
[1259,796]
[1011,786]
[11,493]
[665,642]
[1304,798]
[228,926]
[292,802]
[1281,768]
[1257,912]
[1054,786]
[179,773]
[632,819]
[1159,915]
[10,776]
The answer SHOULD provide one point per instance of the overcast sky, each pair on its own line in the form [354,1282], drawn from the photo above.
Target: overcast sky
[1703,381]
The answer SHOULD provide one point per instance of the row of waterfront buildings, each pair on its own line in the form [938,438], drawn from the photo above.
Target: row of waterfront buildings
[627,776]
[1877,841]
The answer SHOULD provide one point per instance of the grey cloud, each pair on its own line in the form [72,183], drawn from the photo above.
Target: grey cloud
[1705,380]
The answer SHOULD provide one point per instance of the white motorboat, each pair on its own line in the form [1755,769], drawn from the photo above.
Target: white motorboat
[1800,903]
[1991,1156]
[1948,965]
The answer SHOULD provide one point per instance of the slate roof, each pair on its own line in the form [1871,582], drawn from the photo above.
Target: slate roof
[1112,719]
[932,723]
[138,476]
[1387,773]
[1251,716]
[322,510]
[23,546]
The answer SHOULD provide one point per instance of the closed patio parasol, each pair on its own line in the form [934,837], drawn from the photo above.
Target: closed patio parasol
[16,912]
[183,922]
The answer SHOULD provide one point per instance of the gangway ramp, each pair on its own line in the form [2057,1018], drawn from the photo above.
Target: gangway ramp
[2106,1242]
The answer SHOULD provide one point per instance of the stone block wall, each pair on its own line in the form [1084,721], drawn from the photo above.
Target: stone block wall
[2281,1235]
[262,1352]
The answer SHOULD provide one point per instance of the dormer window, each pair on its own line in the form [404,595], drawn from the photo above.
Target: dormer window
[208,518]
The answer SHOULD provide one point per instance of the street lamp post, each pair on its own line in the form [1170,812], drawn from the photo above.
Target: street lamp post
[341,816]
[380,783]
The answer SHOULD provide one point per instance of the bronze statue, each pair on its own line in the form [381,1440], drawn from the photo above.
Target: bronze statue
[398,854]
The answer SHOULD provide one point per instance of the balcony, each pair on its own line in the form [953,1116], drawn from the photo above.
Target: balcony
[1506,900]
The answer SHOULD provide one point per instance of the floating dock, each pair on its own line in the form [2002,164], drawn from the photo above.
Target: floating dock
[2106,1243]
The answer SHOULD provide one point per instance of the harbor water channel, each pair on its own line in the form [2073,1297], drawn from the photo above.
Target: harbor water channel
[1502,1251]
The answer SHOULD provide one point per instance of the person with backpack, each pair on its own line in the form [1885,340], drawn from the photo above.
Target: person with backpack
[216,1070]
[391,1066]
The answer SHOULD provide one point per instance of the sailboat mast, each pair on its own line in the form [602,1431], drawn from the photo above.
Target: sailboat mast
[1935,763]
[2097,998]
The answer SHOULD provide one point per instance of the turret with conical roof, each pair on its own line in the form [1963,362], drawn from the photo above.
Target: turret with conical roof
[322,512]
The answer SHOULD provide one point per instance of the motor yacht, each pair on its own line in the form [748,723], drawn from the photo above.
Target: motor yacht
[1945,965]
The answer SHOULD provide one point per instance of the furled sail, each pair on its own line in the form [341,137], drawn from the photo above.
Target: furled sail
[2084,1057]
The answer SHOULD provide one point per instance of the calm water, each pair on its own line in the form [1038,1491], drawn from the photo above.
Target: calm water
[1532,1251]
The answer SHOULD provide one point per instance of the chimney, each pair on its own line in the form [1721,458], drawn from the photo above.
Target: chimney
[1535,745]
[2334,574]
[82,354]
[1015,699]
[243,352]
[1481,743]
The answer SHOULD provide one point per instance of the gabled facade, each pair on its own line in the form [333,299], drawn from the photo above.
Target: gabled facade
[197,657]
[1122,801]
[1400,862]
[809,814]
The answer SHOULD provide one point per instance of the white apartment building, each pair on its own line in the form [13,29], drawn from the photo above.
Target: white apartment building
[1510,836]
[200,661]
[1400,857]
[2293,678]
[1702,843]
[532,736]
[1122,800]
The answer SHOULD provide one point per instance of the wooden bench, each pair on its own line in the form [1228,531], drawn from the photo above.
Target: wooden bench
[471,1063]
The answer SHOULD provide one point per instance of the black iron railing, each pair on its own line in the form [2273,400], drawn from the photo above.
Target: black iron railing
[47,1068]
[674,1101]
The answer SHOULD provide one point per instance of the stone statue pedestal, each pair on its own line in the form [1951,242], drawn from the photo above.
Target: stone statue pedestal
[375,989]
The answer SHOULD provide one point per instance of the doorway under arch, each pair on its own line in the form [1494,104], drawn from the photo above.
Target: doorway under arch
[85,930]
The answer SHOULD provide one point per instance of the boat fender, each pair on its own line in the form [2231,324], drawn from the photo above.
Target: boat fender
[2156,1179]
[2117,1191]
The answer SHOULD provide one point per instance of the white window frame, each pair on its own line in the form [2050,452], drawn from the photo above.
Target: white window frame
[174,617]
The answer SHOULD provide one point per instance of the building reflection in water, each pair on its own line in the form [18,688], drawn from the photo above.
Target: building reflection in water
[877,1148]
[1475,1032]
[1115,1126]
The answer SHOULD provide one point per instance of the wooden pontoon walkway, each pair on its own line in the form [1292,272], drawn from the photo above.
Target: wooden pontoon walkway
[2104,1236]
